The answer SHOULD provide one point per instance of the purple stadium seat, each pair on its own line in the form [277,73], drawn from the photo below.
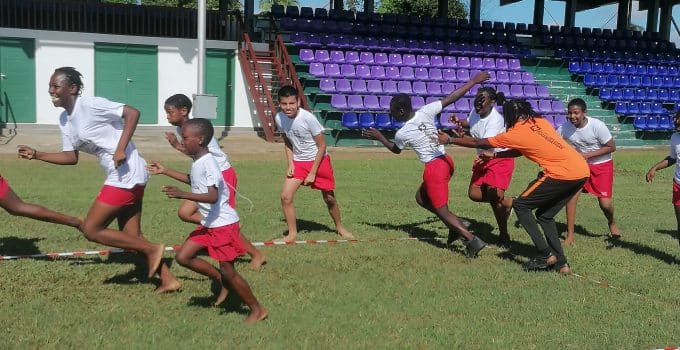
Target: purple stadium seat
[437,61]
[534,104]
[348,71]
[421,73]
[372,103]
[434,88]
[332,70]
[404,87]
[417,102]
[542,91]
[317,69]
[423,61]
[395,59]
[322,56]
[462,75]
[559,120]
[363,71]
[374,86]
[449,74]
[339,102]
[355,102]
[383,121]
[530,91]
[502,64]
[504,88]
[419,88]
[378,72]
[358,86]
[409,60]
[350,120]
[462,105]
[544,107]
[445,123]
[307,55]
[352,57]
[406,73]
[488,63]
[558,108]
[463,62]
[515,77]
[337,57]
[528,78]
[381,58]
[492,76]
[343,86]
[513,64]
[450,62]
[448,88]
[436,74]
[392,73]
[385,102]
[390,87]
[473,91]
[476,63]
[516,91]
[327,85]
[366,58]
[502,77]
[366,120]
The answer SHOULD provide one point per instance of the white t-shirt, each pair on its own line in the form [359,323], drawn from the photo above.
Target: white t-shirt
[420,133]
[675,154]
[300,131]
[205,172]
[490,126]
[94,127]
[214,149]
[589,138]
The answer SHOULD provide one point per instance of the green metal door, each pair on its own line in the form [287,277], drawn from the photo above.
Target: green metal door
[17,81]
[128,74]
[219,81]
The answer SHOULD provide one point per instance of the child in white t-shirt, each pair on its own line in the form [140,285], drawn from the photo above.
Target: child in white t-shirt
[419,132]
[592,139]
[308,162]
[218,232]
[672,158]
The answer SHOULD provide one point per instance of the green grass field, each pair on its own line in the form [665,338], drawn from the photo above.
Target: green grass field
[380,294]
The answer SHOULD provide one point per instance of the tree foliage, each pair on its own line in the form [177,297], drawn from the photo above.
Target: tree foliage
[427,8]
[210,4]
[266,5]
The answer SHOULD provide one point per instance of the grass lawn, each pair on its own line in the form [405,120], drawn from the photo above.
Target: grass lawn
[379,294]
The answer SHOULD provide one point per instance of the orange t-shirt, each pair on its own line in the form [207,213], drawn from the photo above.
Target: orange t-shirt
[537,140]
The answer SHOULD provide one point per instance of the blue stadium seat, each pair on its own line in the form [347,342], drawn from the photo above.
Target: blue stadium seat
[640,122]
[366,120]
[383,121]
[665,123]
[652,123]
[350,120]
[621,108]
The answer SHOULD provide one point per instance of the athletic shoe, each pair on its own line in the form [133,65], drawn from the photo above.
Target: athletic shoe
[540,263]
[473,247]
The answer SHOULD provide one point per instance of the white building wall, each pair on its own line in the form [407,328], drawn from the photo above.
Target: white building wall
[177,68]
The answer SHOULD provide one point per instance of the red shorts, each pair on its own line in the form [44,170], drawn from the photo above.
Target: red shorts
[601,180]
[4,187]
[119,197]
[496,173]
[229,177]
[436,177]
[223,243]
[324,181]
[676,193]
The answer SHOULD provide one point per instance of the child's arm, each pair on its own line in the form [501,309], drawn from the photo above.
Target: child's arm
[607,148]
[375,134]
[668,161]
[461,91]
[131,117]
[174,142]
[320,153]
[288,148]
[157,168]
[60,158]
[209,197]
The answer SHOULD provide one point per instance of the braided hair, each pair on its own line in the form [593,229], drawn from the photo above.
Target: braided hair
[516,109]
[72,76]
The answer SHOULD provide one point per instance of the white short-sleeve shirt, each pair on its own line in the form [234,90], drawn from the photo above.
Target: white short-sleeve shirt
[205,172]
[94,127]
[675,154]
[490,126]
[589,138]
[215,149]
[420,133]
[300,131]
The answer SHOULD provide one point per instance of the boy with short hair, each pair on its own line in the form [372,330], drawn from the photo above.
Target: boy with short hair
[591,138]
[308,162]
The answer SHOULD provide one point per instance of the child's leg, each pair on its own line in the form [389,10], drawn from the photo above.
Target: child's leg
[15,206]
[231,278]
[257,258]
[95,229]
[476,193]
[130,223]
[677,219]
[290,186]
[334,210]
[502,213]
[607,206]
[188,212]
[443,213]
[187,257]
[571,218]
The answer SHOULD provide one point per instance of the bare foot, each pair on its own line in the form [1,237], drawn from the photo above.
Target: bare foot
[256,316]
[614,231]
[258,259]
[220,297]
[153,259]
[168,287]
[569,240]
[288,239]
[344,233]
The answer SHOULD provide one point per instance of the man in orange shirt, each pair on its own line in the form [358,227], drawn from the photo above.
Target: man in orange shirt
[564,173]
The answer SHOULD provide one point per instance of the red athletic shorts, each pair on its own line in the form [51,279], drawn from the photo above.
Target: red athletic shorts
[676,193]
[436,177]
[229,177]
[119,197]
[324,181]
[601,180]
[4,187]
[223,243]
[496,173]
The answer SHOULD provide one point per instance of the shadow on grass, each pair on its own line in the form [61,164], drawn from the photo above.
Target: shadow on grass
[562,229]
[19,246]
[232,304]
[414,230]
[643,249]
[672,233]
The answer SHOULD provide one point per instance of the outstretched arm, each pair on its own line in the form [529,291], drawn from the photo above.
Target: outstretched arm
[60,158]
[668,161]
[157,168]
[209,197]
[461,91]
[375,134]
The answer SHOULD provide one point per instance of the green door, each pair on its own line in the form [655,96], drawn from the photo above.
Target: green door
[219,81]
[17,81]
[128,74]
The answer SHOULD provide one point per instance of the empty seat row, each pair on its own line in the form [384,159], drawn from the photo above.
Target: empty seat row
[331,41]
[639,94]
[382,103]
[617,56]
[629,108]
[586,67]
[362,71]
[633,80]
[414,60]
[653,123]
[641,45]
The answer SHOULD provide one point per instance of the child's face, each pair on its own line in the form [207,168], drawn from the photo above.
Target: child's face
[483,104]
[289,106]
[576,116]
[191,140]
[61,92]
[176,116]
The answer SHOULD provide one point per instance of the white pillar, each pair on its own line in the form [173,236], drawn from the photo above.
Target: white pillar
[201,46]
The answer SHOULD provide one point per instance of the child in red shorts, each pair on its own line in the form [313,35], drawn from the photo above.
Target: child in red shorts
[308,162]
[218,232]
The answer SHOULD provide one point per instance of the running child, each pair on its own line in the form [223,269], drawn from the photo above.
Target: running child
[564,173]
[490,178]
[420,132]
[308,162]
[218,231]
[95,125]
[671,159]
[595,143]
[177,109]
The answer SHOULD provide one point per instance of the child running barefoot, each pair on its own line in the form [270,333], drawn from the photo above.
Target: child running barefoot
[420,132]
[95,125]
[218,231]
[308,162]
[177,108]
